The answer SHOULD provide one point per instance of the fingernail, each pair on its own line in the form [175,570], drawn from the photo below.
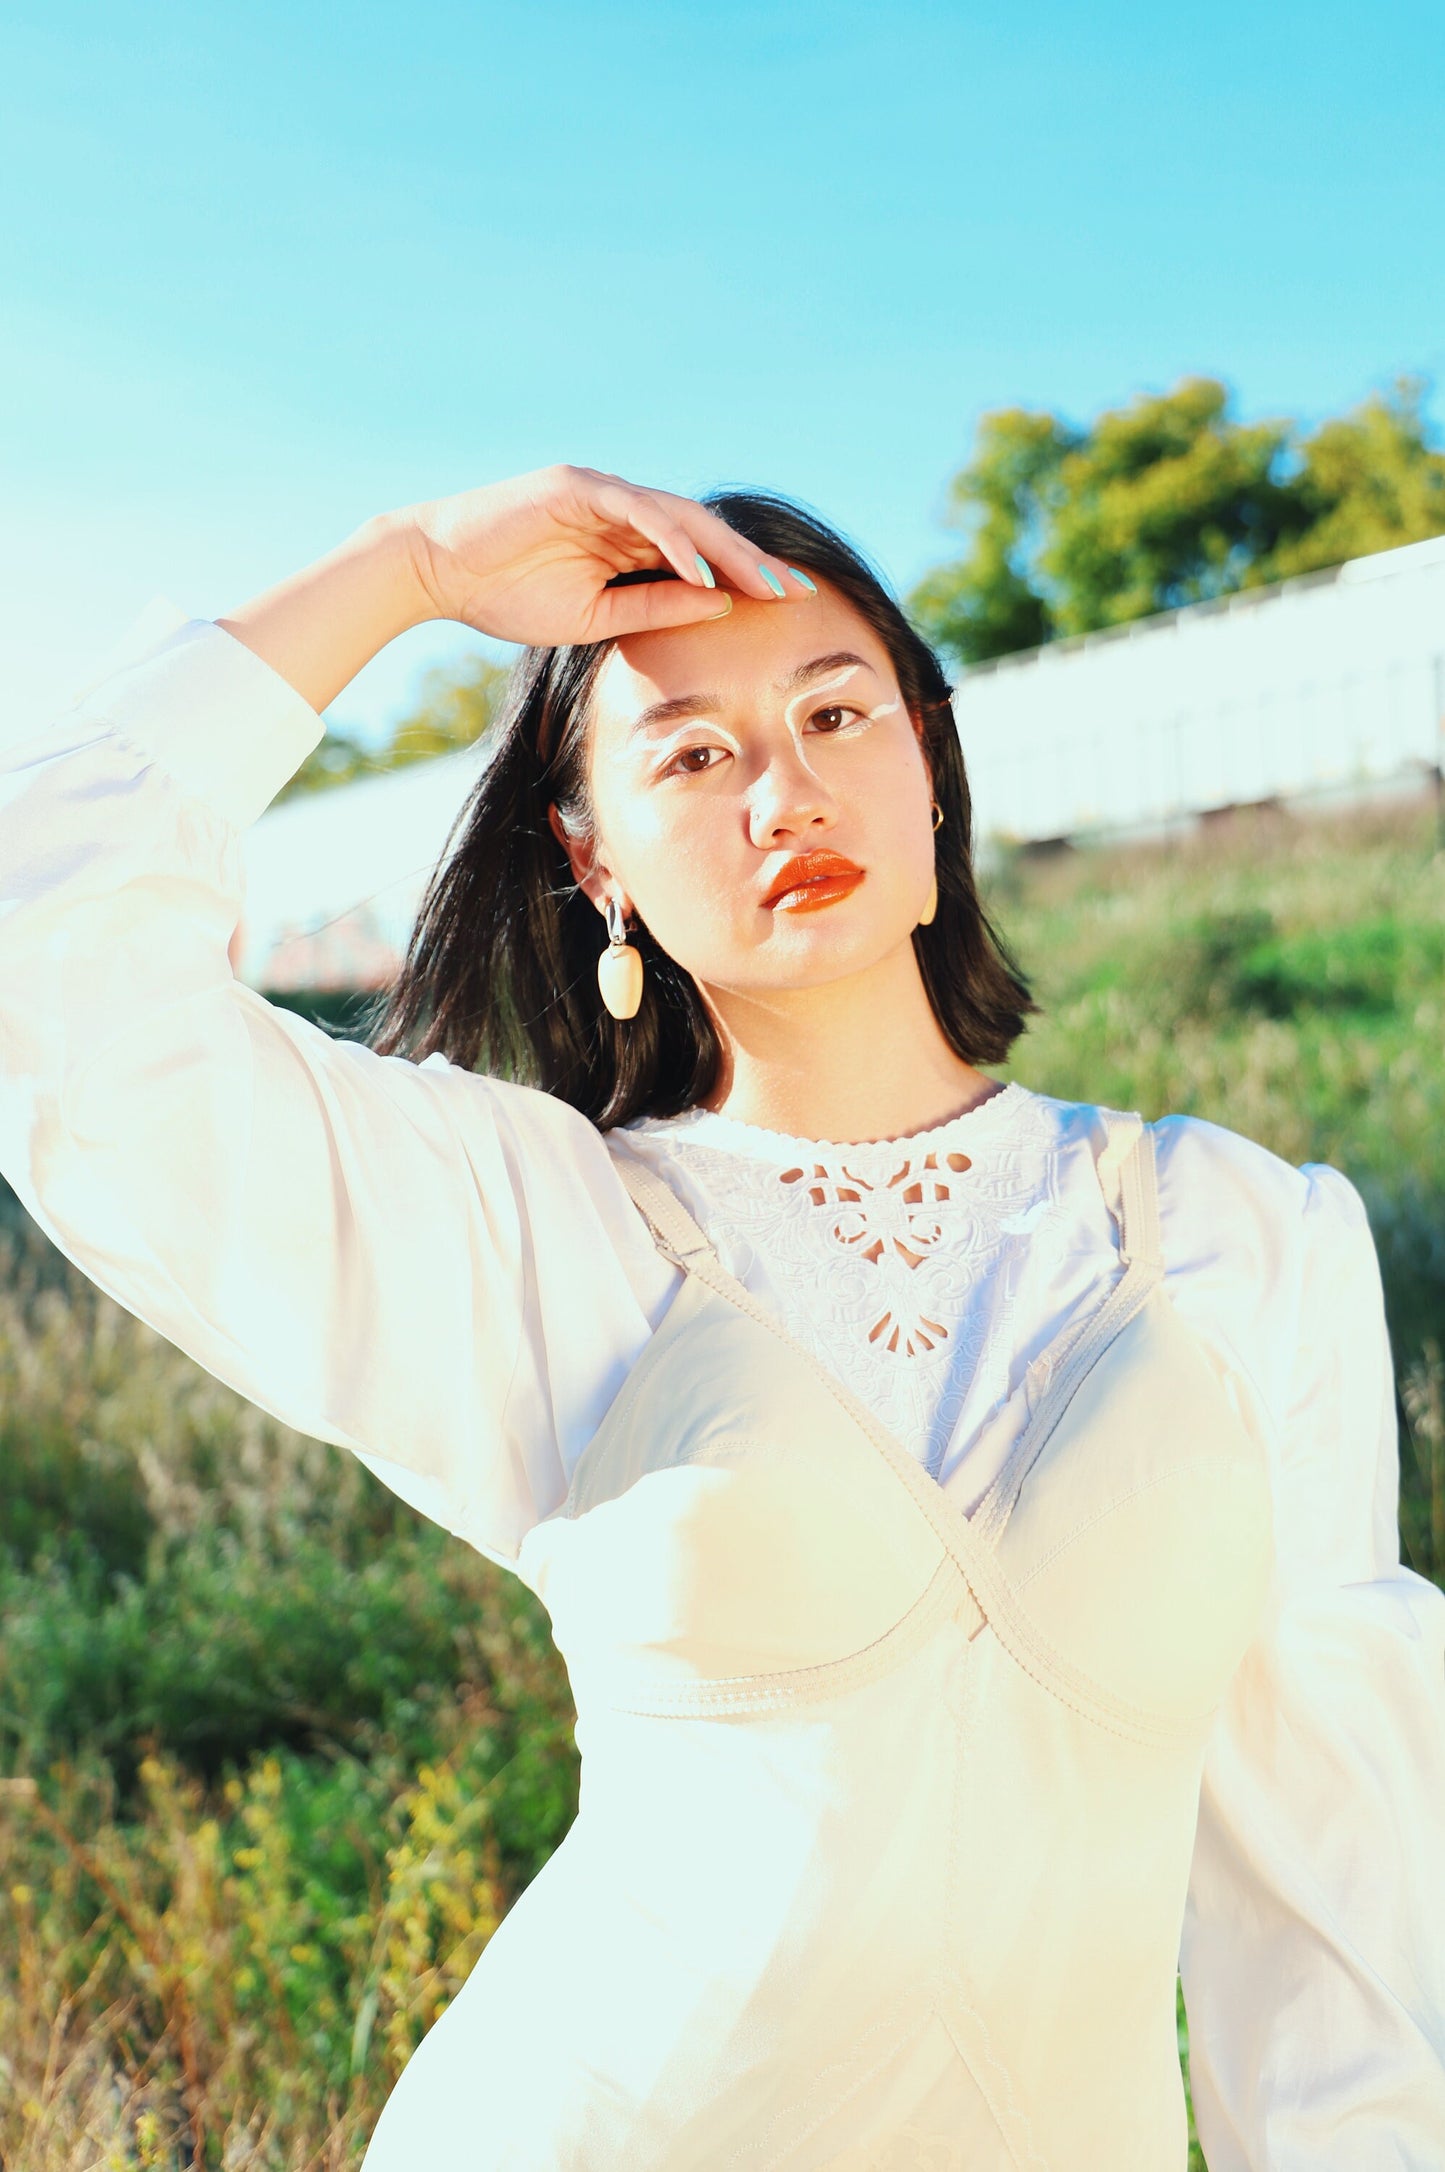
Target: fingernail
[705,570]
[727,604]
[811,586]
[772,580]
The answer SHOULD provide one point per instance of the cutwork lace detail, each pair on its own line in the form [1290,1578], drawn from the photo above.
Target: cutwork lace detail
[893,1224]
[897,1265]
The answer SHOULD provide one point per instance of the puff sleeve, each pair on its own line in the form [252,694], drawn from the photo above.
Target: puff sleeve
[1313,1955]
[438,1271]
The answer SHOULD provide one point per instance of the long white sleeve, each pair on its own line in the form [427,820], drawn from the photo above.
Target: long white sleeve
[1313,1957]
[440,1272]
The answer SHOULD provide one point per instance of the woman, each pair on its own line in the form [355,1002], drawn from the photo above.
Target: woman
[968,1517]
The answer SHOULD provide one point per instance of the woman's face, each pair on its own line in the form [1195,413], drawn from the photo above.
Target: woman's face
[721,754]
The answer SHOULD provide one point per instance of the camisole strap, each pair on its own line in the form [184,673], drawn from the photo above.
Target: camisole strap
[679,1235]
[1125,1168]
[1126,1172]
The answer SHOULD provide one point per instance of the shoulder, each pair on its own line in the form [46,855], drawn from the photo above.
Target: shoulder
[583,1237]
[534,1121]
[1220,1193]
[1225,1196]
[534,1149]
[1254,1246]
[1278,1258]
[1274,1268]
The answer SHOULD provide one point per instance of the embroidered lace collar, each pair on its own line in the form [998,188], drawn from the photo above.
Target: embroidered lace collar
[897,1261]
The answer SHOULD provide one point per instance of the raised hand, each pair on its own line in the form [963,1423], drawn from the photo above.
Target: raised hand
[529,559]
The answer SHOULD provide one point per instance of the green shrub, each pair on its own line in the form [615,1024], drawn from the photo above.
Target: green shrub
[216,1586]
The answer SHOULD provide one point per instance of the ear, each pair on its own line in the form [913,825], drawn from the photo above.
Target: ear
[590,871]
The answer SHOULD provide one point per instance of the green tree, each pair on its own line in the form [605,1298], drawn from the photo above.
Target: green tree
[455,708]
[1170,500]
[1367,481]
[1006,500]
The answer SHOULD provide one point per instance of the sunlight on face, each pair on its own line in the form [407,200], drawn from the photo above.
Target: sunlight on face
[721,752]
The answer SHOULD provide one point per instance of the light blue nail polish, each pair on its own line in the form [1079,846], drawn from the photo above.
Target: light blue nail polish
[704,569]
[799,575]
[772,580]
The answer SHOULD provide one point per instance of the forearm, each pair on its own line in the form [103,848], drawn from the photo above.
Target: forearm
[319,627]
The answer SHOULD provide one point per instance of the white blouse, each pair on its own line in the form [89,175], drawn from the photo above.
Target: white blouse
[444,1274]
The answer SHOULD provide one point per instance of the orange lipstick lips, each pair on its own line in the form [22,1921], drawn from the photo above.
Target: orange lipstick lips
[812,880]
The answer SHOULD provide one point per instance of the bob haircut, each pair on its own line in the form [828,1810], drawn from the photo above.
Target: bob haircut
[500,972]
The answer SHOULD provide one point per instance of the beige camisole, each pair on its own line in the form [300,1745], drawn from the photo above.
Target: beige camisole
[886,1811]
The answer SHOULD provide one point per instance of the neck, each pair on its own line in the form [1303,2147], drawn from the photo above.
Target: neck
[861,1058]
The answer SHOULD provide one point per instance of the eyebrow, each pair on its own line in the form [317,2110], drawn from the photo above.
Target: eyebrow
[681,705]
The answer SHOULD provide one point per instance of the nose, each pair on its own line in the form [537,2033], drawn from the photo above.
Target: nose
[788,800]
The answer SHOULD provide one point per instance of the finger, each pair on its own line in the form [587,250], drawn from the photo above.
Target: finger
[650,518]
[740,562]
[651,605]
[684,533]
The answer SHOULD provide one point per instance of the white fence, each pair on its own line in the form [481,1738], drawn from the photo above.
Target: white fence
[1333,682]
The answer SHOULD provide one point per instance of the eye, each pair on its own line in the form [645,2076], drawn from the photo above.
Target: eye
[839,712]
[691,762]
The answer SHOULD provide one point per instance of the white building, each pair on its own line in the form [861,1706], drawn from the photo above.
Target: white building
[1332,685]
[334,878]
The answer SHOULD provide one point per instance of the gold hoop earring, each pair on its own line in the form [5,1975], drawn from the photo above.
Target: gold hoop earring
[925,918]
[619,969]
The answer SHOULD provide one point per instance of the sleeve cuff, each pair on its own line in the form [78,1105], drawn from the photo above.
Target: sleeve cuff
[228,728]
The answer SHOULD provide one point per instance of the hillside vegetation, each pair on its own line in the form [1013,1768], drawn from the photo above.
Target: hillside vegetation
[1284,977]
[276,1756]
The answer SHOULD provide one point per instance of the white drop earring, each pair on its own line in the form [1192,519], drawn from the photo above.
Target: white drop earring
[619,969]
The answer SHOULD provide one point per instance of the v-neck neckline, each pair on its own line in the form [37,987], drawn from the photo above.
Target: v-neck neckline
[973,1551]
[681,1240]
[972,1546]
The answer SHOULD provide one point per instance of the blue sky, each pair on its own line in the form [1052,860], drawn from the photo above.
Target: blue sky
[269,270]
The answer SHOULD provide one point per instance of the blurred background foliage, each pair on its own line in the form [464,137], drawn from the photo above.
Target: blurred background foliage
[453,709]
[1169,500]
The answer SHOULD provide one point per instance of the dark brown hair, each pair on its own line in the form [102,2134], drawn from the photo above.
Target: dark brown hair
[501,971]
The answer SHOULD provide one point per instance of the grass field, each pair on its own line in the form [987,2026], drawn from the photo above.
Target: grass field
[276,1756]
